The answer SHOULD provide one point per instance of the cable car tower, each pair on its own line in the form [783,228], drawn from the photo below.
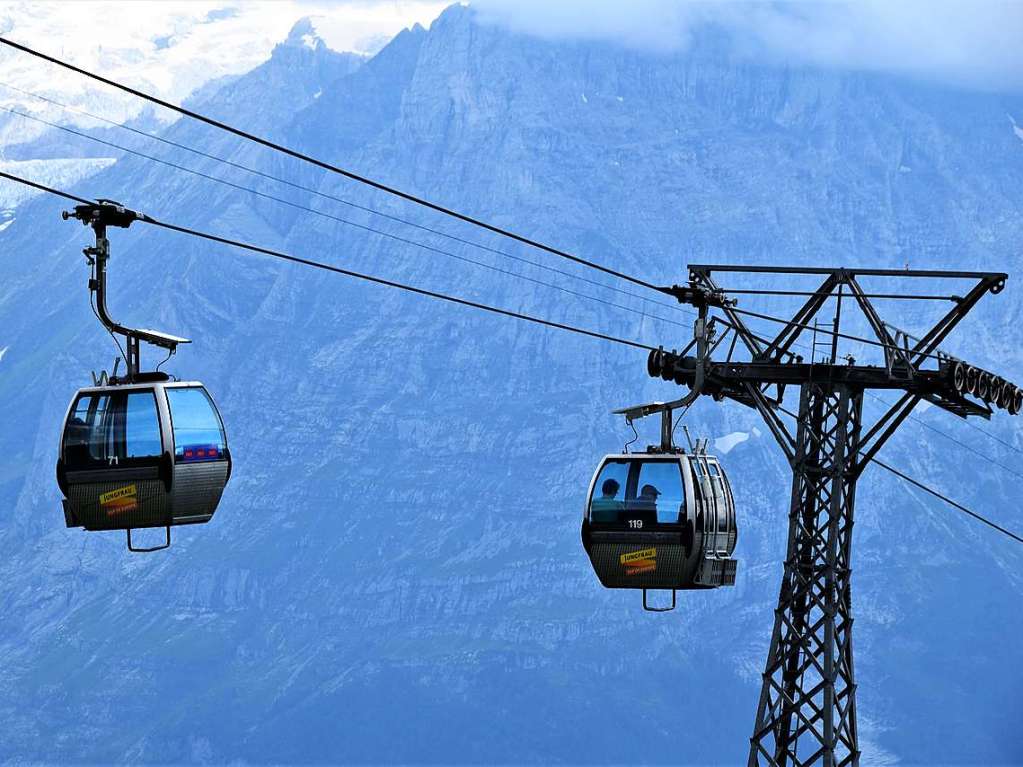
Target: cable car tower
[807,709]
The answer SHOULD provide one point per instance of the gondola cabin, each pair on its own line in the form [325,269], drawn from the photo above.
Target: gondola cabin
[139,455]
[660,521]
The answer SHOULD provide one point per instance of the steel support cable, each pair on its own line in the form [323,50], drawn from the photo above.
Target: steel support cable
[331,167]
[444,234]
[917,483]
[390,190]
[318,193]
[44,188]
[464,302]
[324,214]
[995,437]
[346,272]
[948,500]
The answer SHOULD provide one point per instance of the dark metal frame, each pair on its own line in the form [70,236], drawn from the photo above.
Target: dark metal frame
[807,709]
[99,216]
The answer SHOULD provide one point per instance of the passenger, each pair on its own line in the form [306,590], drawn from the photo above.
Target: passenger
[645,507]
[606,508]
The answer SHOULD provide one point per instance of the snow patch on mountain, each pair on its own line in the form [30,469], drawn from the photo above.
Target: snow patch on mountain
[358,29]
[60,173]
[185,46]
[725,444]
[1016,129]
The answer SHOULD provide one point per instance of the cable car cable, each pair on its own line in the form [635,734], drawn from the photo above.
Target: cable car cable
[44,188]
[464,302]
[339,219]
[382,187]
[395,284]
[331,167]
[995,437]
[347,272]
[324,195]
[948,500]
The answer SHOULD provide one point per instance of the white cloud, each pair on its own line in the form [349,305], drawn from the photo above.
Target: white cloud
[972,43]
[172,47]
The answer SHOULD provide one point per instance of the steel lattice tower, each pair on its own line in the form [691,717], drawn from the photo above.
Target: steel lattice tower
[807,709]
[809,687]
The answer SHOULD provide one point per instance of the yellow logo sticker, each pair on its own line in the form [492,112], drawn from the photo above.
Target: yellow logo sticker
[119,501]
[642,561]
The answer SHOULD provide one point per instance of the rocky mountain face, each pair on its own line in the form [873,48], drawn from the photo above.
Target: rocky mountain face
[395,572]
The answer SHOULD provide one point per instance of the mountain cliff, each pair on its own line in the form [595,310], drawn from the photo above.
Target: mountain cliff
[395,572]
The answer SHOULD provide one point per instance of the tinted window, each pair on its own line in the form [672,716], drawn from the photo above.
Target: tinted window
[141,426]
[85,436]
[609,492]
[660,484]
[198,434]
[629,491]
[110,429]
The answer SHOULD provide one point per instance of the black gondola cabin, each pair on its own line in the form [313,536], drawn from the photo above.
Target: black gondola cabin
[142,455]
[660,521]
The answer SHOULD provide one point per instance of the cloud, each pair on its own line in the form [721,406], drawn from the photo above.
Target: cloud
[976,44]
[173,47]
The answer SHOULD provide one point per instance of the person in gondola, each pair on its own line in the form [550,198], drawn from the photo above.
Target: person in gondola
[606,508]
[645,507]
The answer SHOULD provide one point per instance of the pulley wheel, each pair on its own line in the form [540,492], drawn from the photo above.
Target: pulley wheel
[1004,394]
[653,363]
[995,390]
[668,367]
[971,380]
[959,377]
[984,386]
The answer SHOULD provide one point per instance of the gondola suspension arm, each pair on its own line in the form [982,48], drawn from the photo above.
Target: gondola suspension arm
[704,341]
[99,216]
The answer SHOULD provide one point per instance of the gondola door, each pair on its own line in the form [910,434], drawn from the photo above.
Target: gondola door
[114,467]
[202,461]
